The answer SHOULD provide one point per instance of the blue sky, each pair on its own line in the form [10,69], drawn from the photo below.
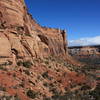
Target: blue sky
[81,18]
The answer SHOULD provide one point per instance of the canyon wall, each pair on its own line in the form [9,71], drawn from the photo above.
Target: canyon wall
[85,50]
[86,54]
[22,37]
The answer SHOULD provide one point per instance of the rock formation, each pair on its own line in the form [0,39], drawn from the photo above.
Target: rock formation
[21,36]
[84,50]
[89,54]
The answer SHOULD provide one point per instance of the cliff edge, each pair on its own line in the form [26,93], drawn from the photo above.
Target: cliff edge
[22,37]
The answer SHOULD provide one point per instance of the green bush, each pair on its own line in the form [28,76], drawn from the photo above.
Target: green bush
[47,99]
[46,84]
[16,97]
[2,68]
[85,87]
[6,63]
[27,72]
[2,88]
[26,64]
[31,94]
[46,62]
[45,75]
[20,63]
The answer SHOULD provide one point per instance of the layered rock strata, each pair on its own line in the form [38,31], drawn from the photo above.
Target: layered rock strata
[22,37]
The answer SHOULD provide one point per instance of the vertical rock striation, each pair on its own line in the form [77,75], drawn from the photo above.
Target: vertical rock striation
[20,32]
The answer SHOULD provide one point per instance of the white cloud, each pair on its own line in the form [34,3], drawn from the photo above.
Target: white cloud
[85,41]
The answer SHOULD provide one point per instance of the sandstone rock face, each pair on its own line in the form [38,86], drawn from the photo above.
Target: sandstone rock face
[22,36]
[11,12]
[85,50]
[86,54]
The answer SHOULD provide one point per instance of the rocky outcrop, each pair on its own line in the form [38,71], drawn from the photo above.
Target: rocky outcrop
[20,33]
[85,50]
[86,54]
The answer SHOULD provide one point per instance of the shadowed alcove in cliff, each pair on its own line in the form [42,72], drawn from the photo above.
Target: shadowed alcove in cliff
[15,52]
[43,39]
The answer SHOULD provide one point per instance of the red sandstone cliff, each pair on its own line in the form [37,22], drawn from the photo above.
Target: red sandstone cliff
[22,34]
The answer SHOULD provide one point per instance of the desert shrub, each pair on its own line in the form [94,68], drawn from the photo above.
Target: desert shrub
[6,97]
[46,62]
[96,93]
[14,74]
[3,68]
[22,84]
[67,96]
[97,78]
[20,63]
[6,63]
[2,88]
[85,87]
[57,97]
[26,64]
[46,84]
[31,94]
[28,34]
[27,72]
[77,95]
[47,98]
[16,97]
[54,91]
[45,75]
